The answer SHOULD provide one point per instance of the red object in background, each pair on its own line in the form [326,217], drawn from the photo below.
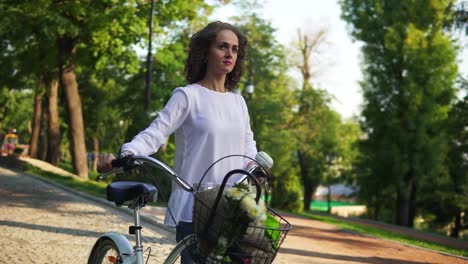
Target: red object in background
[10,141]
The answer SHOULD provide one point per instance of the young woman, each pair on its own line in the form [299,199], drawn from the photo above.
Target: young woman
[208,119]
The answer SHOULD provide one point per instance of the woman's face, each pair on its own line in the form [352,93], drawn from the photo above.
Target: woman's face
[222,54]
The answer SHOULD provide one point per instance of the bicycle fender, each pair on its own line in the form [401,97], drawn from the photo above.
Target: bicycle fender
[124,246]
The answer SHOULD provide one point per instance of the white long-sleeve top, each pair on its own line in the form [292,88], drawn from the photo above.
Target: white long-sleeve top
[208,125]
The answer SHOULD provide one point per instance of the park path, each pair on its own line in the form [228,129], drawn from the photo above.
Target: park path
[315,242]
[41,223]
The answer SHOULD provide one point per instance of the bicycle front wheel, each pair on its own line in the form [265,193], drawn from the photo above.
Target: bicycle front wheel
[184,244]
[104,252]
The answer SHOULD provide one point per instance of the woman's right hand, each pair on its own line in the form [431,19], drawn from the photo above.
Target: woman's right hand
[104,163]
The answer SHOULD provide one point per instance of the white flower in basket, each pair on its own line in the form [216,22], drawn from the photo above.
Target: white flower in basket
[235,193]
[242,218]
[256,212]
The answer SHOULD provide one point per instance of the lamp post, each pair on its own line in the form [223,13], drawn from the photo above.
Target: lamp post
[330,159]
[149,61]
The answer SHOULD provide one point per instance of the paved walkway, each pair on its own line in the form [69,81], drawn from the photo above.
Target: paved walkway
[42,223]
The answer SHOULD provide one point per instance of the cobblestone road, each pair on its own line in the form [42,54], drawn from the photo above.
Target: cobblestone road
[46,225]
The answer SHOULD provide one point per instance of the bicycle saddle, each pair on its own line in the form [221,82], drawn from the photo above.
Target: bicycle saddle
[126,191]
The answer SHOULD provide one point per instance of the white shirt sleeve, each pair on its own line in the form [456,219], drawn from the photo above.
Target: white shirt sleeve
[250,144]
[148,141]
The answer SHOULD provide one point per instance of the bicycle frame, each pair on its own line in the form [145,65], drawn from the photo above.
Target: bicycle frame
[134,255]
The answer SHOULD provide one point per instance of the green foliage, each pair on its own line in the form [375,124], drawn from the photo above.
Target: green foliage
[349,133]
[409,69]
[325,147]
[103,35]
[325,143]
[271,105]
[101,113]
[450,196]
[18,112]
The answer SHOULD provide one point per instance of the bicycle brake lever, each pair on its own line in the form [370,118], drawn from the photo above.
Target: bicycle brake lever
[106,174]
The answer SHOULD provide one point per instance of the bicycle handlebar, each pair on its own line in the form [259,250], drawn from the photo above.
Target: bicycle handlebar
[130,162]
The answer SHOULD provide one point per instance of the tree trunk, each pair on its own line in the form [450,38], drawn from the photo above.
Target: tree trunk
[405,204]
[412,209]
[42,146]
[95,152]
[305,183]
[403,208]
[75,114]
[457,227]
[376,211]
[36,124]
[54,136]
[3,114]
[308,191]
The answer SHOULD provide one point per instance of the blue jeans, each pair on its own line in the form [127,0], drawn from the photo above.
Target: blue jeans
[184,229]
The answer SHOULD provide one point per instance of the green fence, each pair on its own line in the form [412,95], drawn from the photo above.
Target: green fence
[323,205]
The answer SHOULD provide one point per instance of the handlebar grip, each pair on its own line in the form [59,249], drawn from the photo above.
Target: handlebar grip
[125,162]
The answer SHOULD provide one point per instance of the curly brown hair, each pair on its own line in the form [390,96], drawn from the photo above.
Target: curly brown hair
[195,65]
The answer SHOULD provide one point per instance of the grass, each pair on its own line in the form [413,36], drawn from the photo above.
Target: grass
[99,189]
[87,186]
[90,186]
[68,167]
[376,232]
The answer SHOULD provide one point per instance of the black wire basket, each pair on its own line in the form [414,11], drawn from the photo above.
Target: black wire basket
[227,235]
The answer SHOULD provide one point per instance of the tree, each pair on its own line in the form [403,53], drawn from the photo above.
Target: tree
[167,71]
[54,136]
[449,201]
[460,18]
[36,120]
[104,122]
[458,165]
[409,65]
[315,124]
[20,49]
[271,104]
[92,36]
[18,102]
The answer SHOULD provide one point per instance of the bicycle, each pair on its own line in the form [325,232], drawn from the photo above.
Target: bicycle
[114,247]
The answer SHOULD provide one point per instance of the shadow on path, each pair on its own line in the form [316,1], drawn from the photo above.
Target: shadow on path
[52,229]
[73,231]
[370,260]
[23,191]
[332,235]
